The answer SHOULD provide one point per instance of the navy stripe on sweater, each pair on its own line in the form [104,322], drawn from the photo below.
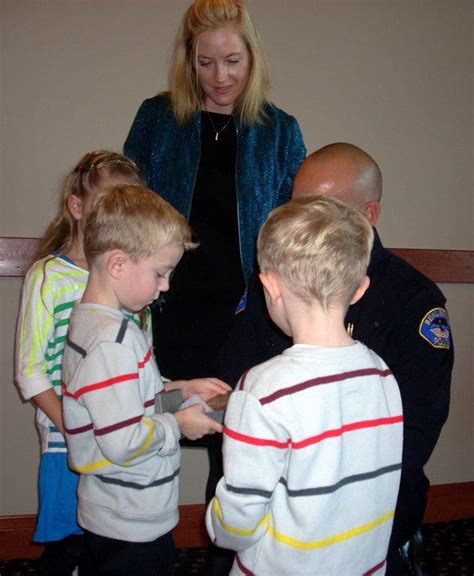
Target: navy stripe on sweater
[320,490]
[135,485]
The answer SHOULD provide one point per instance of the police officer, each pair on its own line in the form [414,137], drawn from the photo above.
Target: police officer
[402,317]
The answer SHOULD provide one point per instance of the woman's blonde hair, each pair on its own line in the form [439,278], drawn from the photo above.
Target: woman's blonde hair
[93,172]
[135,220]
[319,246]
[186,93]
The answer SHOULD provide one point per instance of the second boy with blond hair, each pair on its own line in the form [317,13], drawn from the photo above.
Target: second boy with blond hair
[313,437]
[128,456]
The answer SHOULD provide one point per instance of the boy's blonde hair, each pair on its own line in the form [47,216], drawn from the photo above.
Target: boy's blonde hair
[135,220]
[93,171]
[319,246]
[186,93]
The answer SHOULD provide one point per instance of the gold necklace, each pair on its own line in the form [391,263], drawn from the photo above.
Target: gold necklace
[216,139]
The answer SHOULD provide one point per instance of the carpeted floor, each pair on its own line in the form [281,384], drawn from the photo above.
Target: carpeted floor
[449,551]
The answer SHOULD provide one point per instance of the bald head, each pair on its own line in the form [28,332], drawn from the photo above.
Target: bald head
[342,171]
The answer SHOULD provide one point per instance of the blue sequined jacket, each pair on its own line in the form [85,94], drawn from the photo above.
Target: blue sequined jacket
[268,157]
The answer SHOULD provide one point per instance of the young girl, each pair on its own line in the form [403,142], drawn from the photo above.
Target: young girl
[52,285]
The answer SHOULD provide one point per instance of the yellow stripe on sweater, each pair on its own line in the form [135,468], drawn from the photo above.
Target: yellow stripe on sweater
[103,463]
[239,531]
[148,440]
[92,466]
[298,544]
[343,536]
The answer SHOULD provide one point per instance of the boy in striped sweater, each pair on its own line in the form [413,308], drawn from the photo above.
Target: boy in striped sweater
[127,456]
[313,437]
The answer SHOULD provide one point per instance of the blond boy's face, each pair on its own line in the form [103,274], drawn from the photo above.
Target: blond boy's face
[142,282]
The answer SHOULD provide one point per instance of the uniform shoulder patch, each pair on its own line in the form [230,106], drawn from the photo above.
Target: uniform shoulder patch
[434,328]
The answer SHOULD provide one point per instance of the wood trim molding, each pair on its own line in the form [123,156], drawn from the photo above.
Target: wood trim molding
[16,533]
[453,266]
[15,538]
[16,255]
[446,503]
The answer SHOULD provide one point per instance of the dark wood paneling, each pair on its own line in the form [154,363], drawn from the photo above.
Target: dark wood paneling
[448,502]
[15,538]
[453,266]
[16,533]
[16,255]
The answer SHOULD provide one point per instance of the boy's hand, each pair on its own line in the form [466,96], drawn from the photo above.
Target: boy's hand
[193,422]
[207,388]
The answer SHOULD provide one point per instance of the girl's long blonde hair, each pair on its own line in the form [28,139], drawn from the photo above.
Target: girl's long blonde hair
[186,93]
[92,172]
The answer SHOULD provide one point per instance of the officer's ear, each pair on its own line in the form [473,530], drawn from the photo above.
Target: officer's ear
[361,290]
[372,211]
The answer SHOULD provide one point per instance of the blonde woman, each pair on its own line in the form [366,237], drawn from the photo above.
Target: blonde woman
[218,150]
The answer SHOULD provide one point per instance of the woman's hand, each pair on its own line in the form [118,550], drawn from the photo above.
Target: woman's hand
[207,388]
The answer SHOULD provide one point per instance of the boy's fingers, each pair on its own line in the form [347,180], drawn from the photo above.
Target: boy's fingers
[215,426]
[220,384]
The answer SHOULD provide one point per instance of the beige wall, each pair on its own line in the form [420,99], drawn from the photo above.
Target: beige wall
[393,76]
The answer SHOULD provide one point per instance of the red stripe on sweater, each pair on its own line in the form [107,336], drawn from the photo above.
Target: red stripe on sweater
[109,382]
[65,392]
[80,430]
[118,425]
[313,439]
[241,382]
[104,384]
[329,379]
[363,424]
[149,403]
[243,568]
[374,569]
[145,360]
[254,441]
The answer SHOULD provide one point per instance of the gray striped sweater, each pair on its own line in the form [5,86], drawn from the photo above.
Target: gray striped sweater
[128,456]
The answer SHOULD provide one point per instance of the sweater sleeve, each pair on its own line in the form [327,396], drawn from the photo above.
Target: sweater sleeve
[107,386]
[255,453]
[34,330]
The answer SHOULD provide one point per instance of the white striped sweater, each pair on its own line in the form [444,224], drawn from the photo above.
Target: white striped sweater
[312,458]
[127,455]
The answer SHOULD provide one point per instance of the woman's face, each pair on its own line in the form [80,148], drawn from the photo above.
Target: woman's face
[223,66]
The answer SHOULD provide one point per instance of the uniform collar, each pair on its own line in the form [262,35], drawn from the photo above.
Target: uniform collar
[378,253]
